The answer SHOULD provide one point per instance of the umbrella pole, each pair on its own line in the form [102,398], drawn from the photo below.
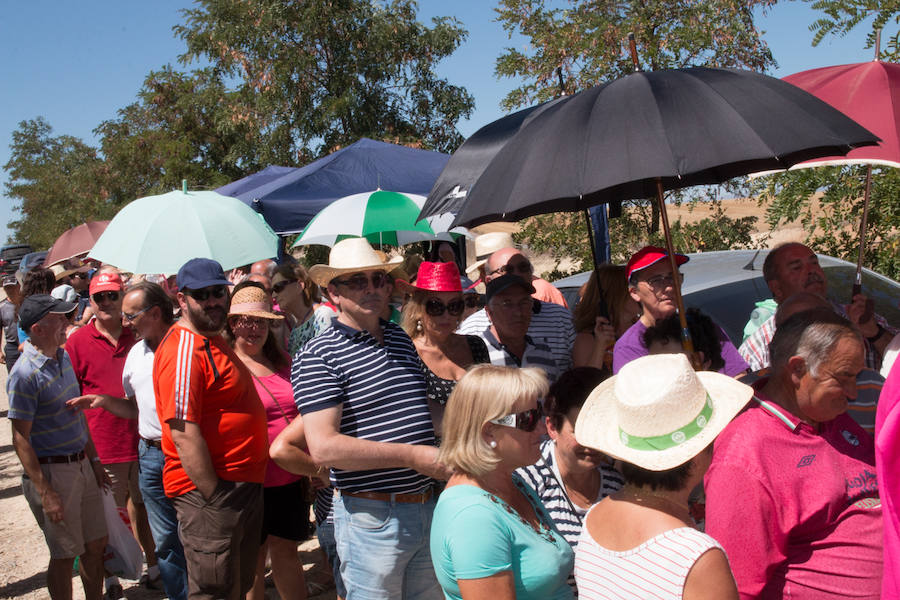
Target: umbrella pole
[590,230]
[686,342]
[863,225]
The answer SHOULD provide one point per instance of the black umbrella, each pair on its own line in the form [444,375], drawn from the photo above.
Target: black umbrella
[634,138]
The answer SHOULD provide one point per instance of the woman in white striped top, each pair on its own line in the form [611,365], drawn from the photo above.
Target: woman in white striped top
[659,418]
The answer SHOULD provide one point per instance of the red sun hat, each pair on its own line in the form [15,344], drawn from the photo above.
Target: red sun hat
[649,256]
[435,277]
[106,281]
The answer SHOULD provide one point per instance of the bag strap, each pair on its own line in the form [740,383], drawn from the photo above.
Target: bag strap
[274,399]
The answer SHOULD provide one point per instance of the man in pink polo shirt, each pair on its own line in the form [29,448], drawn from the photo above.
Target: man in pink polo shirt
[792,493]
[98,352]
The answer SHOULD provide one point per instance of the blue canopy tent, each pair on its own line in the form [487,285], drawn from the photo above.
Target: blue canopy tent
[288,198]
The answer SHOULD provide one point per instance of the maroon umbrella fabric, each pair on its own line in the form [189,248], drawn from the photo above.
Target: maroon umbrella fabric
[75,242]
[868,93]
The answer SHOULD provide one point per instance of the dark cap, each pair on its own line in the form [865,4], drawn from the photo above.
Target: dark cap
[37,306]
[10,280]
[199,273]
[495,286]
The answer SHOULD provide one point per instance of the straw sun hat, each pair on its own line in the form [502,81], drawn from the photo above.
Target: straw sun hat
[658,413]
[486,244]
[349,256]
[253,302]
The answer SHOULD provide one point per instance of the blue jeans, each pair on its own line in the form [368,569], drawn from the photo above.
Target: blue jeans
[384,549]
[163,522]
[325,533]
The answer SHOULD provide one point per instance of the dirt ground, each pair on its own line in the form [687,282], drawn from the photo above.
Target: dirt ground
[23,553]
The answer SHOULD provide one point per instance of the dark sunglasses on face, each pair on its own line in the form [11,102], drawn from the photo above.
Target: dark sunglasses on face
[524,268]
[279,287]
[79,275]
[524,421]
[202,295]
[104,296]
[435,308]
[360,282]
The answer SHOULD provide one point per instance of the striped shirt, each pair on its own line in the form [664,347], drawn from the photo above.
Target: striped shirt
[537,354]
[38,387]
[552,326]
[657,569]
[381,392]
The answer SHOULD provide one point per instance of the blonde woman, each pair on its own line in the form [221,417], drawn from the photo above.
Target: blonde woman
[491,536]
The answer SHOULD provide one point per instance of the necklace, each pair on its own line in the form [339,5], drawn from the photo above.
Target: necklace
[541,528]
[662,501]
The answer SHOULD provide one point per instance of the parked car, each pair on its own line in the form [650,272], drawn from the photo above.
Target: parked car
[32,260]
[727,284]
[10,257]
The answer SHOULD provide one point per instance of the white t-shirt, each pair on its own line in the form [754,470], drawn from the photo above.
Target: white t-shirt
[137,379]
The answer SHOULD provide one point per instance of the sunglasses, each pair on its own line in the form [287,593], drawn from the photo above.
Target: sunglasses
[435,308]
[523,267]
[131,317]
[279,287]
[359,283]
[247,322]
[524,421]
[100,297]
[202,295]
[661,282]
[79,275]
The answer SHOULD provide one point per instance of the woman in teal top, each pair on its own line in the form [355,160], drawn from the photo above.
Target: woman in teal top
[491,536]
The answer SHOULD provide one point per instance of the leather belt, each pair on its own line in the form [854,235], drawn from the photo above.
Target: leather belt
[421,498]
[153,443]
[71,458]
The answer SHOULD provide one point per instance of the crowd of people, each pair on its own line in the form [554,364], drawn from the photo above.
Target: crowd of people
[451,443]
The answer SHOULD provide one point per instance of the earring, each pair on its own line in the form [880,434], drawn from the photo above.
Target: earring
[419,326]
[492,444]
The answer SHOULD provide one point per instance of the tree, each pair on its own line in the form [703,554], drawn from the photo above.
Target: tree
[842,16]
[586,41]
[56,179]
[314,76]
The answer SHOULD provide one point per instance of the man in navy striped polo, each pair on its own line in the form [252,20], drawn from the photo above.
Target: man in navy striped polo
[361,391]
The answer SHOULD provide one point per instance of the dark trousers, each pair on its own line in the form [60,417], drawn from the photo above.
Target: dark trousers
[221,538]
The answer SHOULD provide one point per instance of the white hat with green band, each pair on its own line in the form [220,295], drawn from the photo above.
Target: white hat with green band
[658,413]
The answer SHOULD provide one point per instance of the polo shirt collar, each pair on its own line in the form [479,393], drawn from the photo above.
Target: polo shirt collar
[789,420]
[37,357]
[492,339]
[353,333]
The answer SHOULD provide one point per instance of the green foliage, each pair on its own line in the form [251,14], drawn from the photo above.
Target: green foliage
[58,182]
[828,203]
[841,16]
[314,76]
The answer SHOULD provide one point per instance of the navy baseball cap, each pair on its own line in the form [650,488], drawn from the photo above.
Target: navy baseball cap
[199,273]
[37,306]
[497,285]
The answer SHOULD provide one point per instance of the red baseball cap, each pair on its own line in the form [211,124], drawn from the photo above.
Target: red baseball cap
[106,281]
[649,256]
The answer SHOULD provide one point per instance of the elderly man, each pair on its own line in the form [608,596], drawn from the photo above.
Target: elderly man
[213,437]
[651,283]
[551,324]
[98,352]
[62,470]
[792,493]
[792,268]
[360,388]
[509,305]
[147,309]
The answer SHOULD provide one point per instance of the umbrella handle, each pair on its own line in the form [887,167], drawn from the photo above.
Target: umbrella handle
[863,226]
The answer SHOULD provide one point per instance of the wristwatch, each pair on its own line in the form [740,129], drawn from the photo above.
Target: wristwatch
[877,336]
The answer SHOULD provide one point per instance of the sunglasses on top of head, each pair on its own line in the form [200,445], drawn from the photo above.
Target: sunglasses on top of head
[203,294]
[435,308]
[526,420]
[360,282]
[100,297]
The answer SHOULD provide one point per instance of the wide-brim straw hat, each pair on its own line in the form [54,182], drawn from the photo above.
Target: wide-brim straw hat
[252,301]
[435,277]
[349,256]
[488,243]
[658,413]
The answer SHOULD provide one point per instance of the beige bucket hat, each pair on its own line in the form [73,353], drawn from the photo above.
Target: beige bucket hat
[254,302]
[658,413]
[486,244]
[349,256]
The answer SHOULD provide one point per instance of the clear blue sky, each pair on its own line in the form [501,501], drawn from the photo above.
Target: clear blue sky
[77,63]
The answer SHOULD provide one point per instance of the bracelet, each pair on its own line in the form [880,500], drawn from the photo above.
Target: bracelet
[877,336]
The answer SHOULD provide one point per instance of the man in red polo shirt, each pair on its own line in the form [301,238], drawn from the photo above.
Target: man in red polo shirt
[98,352]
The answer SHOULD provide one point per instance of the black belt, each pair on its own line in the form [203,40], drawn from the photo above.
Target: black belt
[71,458]
[153,443]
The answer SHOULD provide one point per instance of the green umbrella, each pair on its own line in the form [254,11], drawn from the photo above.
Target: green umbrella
[382,217]
[158,234]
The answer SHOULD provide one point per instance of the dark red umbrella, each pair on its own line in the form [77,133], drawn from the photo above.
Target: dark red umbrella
[75,242]
[869,93]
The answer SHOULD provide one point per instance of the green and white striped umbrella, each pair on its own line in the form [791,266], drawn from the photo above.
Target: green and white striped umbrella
[382,217]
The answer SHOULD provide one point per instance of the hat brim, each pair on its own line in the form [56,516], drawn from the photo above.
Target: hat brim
[597,425]
[257,313]
[474,266]
[323,274]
